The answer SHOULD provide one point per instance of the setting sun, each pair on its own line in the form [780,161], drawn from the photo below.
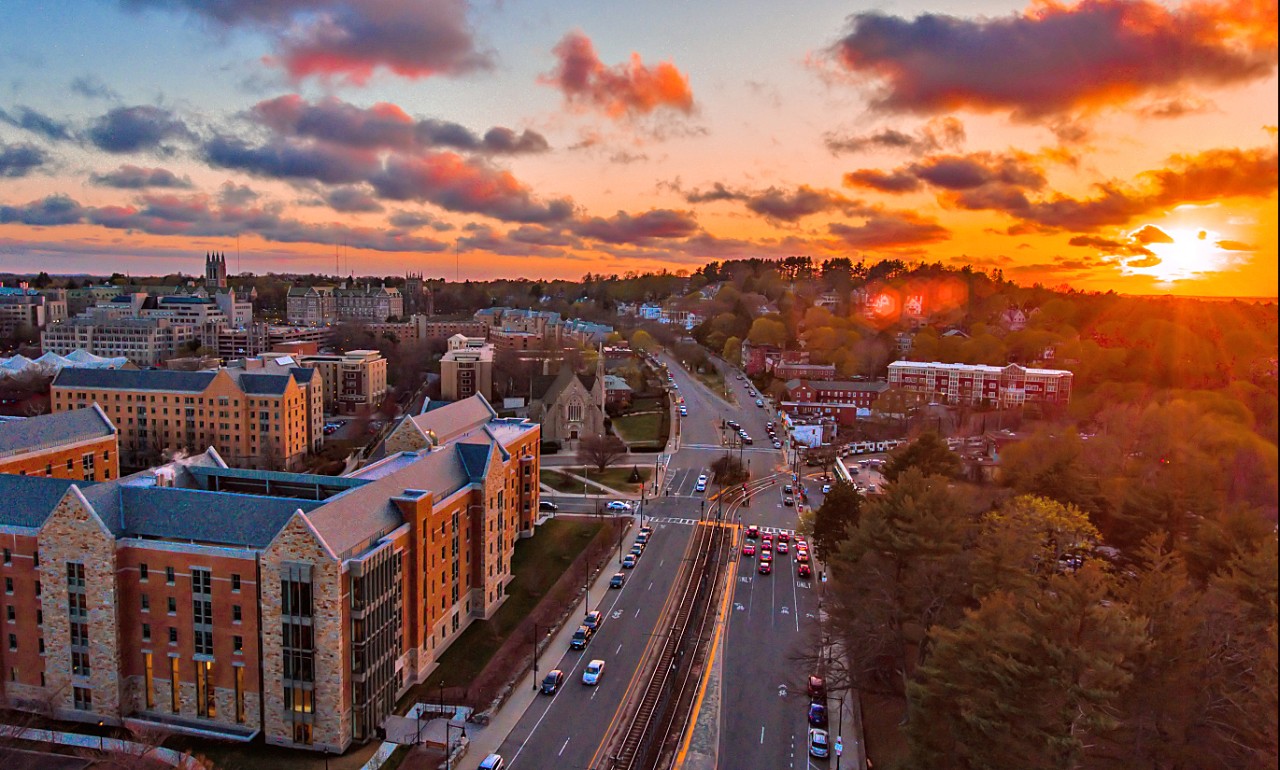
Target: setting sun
[1180,254]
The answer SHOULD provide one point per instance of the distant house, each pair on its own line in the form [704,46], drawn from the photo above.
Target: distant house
[841,400]
[616,391]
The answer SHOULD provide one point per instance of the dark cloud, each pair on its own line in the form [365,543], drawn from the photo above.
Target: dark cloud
[92,87]
[619,91]
[199,215]
[20,159]
[1176,107]
[385,126]
[1236,246]
[53,210]
[1110,246]
[890,230]
[282,159]
[938,134]
[883,181]
[1207,176]
[136,129]
[36,122]
[793,205]
[351,39]
[644,228]
[415,220]
[543,236]
[1152,234]
[130,177]
[458,184]
[351,200]
[232,194]
[718,192]
[1057,58]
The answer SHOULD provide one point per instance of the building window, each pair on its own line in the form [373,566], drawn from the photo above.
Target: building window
[173,635]
[205,703]
[146,632]
[8,556]
[82,698]
[146,602]
[8,585]
[149,681]
[202,610]
[142,571]
[173,606]
[237,643]
[13,641]
[240,710]
[236,614]
[169,575]
[10,614]
[235,582]
[175,691]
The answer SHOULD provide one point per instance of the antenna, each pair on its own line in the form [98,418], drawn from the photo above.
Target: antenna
[457,261]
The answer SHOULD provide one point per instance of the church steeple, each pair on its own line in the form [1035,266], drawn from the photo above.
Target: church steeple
[215,270]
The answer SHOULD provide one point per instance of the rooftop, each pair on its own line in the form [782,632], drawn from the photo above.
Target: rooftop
[52,430]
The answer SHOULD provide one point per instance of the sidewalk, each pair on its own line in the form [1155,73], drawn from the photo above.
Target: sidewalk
[483,741]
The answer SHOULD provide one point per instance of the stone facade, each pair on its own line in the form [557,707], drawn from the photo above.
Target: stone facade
[74,533]
[299,543]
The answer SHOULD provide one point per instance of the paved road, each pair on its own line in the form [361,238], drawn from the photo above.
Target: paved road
[565,731]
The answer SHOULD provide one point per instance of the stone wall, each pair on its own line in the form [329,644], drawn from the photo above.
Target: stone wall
[74,533]
[298,543]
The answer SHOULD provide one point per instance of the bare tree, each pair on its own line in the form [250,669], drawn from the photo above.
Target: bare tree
[601,451]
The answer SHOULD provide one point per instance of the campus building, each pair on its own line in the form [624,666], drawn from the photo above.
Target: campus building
[261,413]
[1009,385]
[841,400]
[79,444]
[198,598]
[353,382]
[466,369]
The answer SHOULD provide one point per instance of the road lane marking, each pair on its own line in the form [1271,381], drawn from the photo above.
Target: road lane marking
[761,735]
[651,583]
[615,652]
[562,748]
[637,612]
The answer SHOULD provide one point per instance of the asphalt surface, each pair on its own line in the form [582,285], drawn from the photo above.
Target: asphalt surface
[566,730]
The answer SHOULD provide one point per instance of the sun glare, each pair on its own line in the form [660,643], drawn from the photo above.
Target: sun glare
[1191,254]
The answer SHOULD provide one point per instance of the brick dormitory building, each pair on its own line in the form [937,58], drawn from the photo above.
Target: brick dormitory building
[237,603]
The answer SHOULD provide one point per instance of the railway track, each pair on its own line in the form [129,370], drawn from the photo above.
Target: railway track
[672,678]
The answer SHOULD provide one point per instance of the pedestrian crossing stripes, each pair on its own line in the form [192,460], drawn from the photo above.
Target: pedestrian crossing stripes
[692,522]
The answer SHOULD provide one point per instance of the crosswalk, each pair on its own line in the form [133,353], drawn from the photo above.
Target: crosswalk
[692,522]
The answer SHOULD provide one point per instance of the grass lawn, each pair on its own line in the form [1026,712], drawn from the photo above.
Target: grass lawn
[647,405]
[616,477]
[640,428]
[560,482]
[714,380]
[538,562]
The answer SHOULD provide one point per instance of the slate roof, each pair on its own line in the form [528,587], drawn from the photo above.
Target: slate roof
[449,421]
[50,430]
[134,379]
[207,517]
[38,496]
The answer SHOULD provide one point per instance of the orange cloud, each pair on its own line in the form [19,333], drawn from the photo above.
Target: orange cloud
[621,90]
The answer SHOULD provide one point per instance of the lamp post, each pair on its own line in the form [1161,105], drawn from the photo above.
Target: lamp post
[101,726]
[442,696]
[536,637]
[839,727]
[448,747]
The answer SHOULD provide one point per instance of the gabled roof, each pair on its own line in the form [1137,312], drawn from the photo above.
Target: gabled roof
[50,430]
[134,379]
[449,421]
[38,496]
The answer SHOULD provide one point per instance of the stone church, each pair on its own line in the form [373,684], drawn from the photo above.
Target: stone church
[570,406]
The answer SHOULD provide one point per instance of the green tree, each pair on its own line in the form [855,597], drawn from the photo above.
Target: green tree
[732,351]
[901,572]
[928,453]
[1026,680]
[643,341]
[834,519]
[1025,541]
[768,331]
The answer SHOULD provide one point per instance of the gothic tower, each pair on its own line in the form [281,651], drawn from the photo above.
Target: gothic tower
[215,271]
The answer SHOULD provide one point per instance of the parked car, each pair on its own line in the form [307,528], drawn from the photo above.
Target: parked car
[629,561]
[759,403]
[593,620]
[817,715]
[580,638]
[546,505]
[787,488]
[818,746]
[593,672]
[552,682]
[646,530]
[493,762]
[637,550]
[618,580]
[817,687]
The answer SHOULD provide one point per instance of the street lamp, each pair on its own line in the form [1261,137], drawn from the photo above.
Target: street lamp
[536,628]
[441,696]
[839,727]
[101,726]
[448,747]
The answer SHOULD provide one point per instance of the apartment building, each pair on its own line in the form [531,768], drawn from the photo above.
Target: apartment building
[27,308]
[111,333]
[466,369]
[1009,385]
[262,414]
[320,305]
[311,306]
[353,382]
[80,444]
[241,603]
[841,400]
[420,328]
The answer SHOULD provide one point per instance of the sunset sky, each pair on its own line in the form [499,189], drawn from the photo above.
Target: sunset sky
[1107,144]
